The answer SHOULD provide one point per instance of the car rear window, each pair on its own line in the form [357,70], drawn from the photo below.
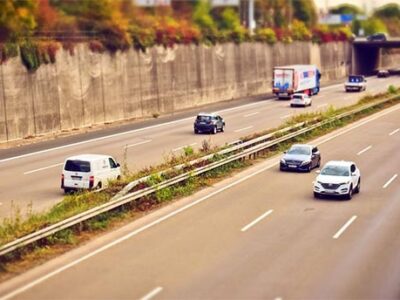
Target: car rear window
[297,97]
[356,79]
[203,118]
[77,166]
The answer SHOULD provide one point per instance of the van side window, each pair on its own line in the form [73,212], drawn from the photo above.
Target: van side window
[113,164]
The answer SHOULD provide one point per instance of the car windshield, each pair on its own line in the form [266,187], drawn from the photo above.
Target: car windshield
[203,118]
[299,150]
[335,171]
[77,166]
[355,79]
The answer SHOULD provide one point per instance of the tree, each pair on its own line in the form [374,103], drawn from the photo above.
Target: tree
[346,9]
[374,25]
[16,19]
[305,11]
[391,10]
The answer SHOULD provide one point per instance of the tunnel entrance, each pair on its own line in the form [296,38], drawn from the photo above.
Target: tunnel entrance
[369,56]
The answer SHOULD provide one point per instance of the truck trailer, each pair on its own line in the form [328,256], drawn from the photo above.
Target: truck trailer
[288,80]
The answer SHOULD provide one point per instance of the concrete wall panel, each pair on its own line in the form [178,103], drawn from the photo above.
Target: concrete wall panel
[46,99]
[19,100]
[3,125]
[70,90]
[91,74]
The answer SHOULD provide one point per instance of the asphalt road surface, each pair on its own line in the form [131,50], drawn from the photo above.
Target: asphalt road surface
[258,235]
[32,178]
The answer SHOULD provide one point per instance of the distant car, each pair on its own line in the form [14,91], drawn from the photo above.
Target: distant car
[382,73]
[355,83]
[300,100]
[377,37]
[88,171]
[209,123]
[338,178]
[300,157]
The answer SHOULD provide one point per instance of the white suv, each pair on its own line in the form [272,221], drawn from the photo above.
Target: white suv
[338,178]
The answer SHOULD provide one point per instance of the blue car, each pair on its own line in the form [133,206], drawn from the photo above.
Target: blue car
[211,123]
[301,157]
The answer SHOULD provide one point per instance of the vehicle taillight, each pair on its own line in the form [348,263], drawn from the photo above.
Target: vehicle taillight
[62,181]
[91,182]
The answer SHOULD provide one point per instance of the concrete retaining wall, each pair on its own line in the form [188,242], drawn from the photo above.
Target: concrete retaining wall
[89,88]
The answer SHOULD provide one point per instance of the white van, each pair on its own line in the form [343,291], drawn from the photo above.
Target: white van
[88,171]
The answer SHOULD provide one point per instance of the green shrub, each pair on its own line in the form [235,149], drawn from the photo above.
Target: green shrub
[188,150]
[30,55]
[266,35]
[392,89]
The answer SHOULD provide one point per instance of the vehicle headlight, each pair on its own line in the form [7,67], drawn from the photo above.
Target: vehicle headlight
[319,182]
[306,162]
[343,183]
[283,161]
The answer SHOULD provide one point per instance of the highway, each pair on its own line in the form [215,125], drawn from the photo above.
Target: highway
[257,235]
[32,177]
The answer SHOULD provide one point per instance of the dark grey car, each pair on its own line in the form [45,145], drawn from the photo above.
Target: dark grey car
[301,157]
[209,123]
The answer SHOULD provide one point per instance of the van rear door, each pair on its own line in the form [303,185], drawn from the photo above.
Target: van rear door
[76,174]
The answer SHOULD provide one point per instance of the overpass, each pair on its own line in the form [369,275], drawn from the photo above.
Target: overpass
[367,55]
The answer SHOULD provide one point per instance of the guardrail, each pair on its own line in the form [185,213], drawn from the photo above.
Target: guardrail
[237,152]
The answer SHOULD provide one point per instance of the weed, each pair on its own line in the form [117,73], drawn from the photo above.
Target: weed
[188,150]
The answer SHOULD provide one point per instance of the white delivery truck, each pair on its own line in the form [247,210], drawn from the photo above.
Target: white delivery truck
[288,80]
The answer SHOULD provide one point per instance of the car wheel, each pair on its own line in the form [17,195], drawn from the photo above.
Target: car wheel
[214,131]
[67,191]
[309,168]
[316,195]
[319,163]
[310,103]
[358,188]
[291,105]
[350,194]
[222,128]
[196,131]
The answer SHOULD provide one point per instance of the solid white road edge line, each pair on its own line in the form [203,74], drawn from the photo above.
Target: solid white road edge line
[394,131]
[152,294]
[137,144]
[44,168]
[126,132]
[248,226]
[344,227]
[168,216]
[390,181]
[243,129]
[364,150]
[252,114]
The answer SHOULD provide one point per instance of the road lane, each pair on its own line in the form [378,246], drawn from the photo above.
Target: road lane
[41,188]
[201,253]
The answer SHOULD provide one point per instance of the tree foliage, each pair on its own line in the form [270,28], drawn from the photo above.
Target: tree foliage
[346,9]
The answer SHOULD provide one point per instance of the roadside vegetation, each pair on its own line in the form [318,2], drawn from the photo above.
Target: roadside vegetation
[22,224]
[36,29]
